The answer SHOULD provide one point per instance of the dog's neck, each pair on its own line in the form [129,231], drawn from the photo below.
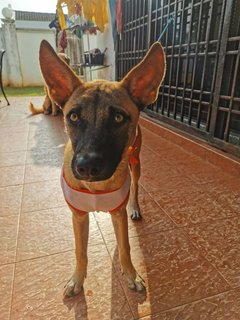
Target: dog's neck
[113,183]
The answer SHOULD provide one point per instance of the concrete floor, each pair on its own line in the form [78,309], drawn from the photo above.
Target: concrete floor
[187,247]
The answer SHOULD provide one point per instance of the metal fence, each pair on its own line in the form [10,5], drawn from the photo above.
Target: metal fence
[201,90]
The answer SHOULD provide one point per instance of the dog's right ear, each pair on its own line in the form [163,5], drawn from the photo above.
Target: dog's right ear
[61,80]
[144,80]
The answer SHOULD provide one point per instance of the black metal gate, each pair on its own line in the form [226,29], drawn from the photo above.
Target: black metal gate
[201,90]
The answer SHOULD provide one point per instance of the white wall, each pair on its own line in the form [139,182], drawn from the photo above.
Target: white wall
[4,70]
[21,59]
[11,56]
[28,45]
[40,25]
[104,40]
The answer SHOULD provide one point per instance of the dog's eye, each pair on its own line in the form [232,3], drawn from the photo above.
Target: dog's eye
[74,117]
[118,117]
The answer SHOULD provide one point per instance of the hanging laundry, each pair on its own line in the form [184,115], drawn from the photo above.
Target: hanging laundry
[119,15]
[116,18]
[55,24]
[100,14]
[78,32]
[62,45]
[61,17]
[93,10]
[112,6]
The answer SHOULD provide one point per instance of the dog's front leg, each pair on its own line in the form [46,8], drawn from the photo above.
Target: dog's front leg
[81,231]
[120,224]
[133,205]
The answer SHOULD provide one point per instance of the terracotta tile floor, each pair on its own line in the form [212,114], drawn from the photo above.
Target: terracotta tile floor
[187,247]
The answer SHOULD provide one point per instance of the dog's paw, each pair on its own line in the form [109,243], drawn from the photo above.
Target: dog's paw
[136,215]
[73,287]
[137,284]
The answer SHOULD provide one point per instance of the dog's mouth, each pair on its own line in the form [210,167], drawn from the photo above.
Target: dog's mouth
[91,167]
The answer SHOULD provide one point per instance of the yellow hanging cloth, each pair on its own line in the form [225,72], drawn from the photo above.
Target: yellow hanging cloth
[61,17]
[94,10]
[100,14]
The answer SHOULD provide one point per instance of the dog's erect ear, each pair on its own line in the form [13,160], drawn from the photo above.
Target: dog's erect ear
[59,77]
[144,80]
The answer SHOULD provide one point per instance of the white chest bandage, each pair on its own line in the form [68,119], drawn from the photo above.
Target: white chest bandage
[82,200]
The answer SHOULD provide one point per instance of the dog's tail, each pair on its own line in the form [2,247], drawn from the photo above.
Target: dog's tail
[35,110]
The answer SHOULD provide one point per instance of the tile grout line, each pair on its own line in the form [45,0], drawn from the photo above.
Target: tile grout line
[19,219]
[150,195]
[51,254]
[44,209]
[25,183]
[46,255]
[17,231]
[38,181]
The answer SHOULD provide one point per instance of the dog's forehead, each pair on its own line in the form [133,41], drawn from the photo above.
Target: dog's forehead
[102,93]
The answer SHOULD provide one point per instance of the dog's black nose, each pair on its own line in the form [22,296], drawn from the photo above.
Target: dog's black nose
[88,166]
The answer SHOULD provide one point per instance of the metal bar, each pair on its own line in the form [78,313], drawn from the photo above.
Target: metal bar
[229,98]
[186,99]
[171,62]
[226,110]
[216,60]
[187,63]
[149,23]
[194,69]
[189,90]
[179,57]
[138,38]
[219,72]
[227,128]
[170,71]
[155,28]
[237,38]
[194,43]
[162,98]
[131,35]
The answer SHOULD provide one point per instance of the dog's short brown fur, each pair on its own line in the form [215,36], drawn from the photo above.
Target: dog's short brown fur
[101,119]
[49,106]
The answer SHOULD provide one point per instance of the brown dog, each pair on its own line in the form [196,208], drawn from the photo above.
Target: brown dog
[49,106]
[101,120]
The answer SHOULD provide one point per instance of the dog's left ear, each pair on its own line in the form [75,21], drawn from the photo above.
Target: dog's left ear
[144,80]
[61,80]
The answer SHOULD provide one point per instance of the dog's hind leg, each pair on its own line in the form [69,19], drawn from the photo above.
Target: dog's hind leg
[120,224]
[81,231]
[47,106]
[133,205]
[54,108]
